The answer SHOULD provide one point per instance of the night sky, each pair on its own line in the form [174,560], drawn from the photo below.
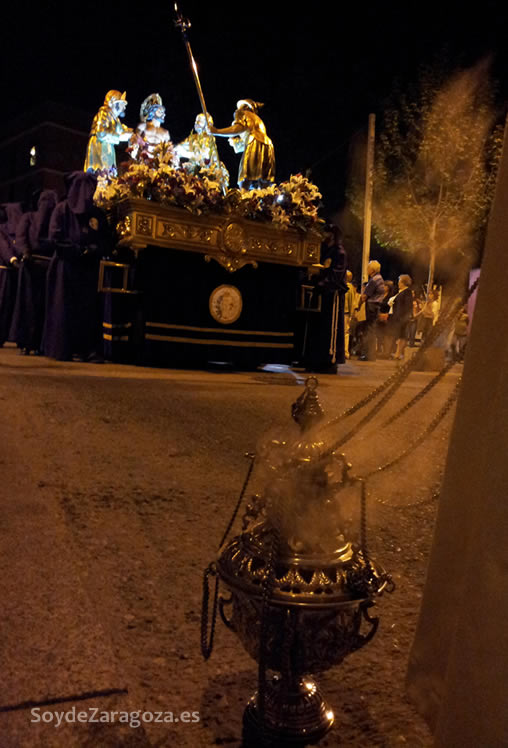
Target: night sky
[319,68]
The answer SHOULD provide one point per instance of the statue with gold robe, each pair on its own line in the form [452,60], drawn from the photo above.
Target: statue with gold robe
[106,132]
[247,135]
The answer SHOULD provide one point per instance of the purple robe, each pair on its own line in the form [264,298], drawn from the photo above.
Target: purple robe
[14,211]
[81,237]
[33,246]
[8,278]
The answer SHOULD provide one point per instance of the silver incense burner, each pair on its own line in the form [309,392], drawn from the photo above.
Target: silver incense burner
[294,589]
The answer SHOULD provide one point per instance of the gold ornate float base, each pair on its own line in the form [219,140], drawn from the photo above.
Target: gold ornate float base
[231,241]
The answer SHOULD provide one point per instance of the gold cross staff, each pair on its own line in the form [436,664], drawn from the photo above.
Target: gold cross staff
[184,25]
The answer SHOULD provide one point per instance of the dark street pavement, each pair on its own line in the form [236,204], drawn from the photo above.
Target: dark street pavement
[118,482]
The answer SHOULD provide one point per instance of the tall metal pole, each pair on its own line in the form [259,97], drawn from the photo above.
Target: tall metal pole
[184,25]
[369,183]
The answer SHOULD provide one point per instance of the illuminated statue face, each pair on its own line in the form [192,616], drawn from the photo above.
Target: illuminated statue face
[158,113]
[118,107]
[200,123]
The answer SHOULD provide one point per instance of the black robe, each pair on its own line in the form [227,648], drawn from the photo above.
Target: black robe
[324,347]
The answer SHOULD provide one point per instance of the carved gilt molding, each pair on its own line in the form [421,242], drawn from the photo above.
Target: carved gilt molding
[232,242]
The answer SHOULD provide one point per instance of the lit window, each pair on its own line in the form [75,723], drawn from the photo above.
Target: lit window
[33,156]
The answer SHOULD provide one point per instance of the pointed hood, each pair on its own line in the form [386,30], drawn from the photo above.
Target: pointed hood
[80,191]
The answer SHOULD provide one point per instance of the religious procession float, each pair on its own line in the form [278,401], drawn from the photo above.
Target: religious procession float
[190,271]
[201,271]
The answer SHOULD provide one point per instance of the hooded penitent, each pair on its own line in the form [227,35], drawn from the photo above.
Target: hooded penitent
[32,244]
[80,235]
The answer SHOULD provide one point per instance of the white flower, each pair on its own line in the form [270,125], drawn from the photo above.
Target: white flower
[280,216]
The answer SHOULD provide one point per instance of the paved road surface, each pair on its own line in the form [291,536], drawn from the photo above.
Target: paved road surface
[117,485]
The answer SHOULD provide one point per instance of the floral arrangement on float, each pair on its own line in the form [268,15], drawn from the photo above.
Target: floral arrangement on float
[198,189]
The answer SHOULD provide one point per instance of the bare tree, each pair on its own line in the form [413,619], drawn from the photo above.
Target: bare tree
[435,169]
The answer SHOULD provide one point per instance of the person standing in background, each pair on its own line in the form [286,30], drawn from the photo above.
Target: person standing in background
[402,310]
[430,313]
[372,297]
[384,341]
[349,310]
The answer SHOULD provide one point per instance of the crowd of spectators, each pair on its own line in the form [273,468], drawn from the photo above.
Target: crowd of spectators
[385,317]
